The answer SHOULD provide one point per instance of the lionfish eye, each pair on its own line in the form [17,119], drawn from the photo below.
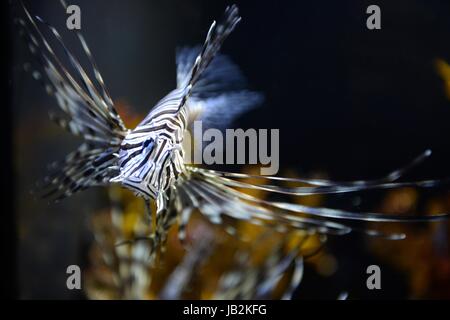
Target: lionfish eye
[149,142]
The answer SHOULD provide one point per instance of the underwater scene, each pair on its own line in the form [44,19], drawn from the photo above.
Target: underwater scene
[214,150]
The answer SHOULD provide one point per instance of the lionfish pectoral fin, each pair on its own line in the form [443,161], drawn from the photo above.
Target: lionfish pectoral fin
[87,112]
[215,195]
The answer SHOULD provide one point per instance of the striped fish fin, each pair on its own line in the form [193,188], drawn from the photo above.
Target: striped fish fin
[86,111]
[85,167]
[195,80]
[188,78]
[220,95]
[218,195]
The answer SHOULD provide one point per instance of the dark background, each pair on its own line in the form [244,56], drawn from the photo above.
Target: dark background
[348,101]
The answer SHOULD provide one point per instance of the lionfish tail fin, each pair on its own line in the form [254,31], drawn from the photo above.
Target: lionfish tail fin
[86,109]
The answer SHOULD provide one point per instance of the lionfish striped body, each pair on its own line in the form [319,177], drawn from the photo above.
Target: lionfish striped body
[150,159]
[151,156]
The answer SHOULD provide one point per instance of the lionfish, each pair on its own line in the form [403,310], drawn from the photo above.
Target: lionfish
[149,159]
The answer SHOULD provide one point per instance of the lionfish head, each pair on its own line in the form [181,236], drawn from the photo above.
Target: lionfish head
[146,165]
